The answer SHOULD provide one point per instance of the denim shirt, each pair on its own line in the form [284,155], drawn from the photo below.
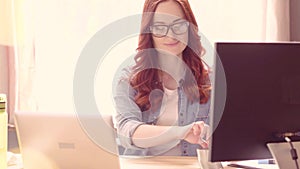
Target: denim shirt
[129,117]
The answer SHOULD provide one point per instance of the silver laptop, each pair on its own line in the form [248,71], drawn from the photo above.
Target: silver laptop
[61,141]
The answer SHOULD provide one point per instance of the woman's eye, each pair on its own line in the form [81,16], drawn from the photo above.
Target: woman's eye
[159,28]
[178,25]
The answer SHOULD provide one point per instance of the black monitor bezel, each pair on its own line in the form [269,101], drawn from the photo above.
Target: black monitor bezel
[233,147]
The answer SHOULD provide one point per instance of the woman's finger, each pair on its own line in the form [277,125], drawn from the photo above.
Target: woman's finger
[203,143]
[204,132]
[197,128]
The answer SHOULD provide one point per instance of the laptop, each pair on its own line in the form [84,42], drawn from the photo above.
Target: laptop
[61,141]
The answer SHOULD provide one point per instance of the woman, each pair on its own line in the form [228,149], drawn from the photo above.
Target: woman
[163,101]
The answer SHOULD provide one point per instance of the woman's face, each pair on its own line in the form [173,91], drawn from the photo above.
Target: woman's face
[169,28]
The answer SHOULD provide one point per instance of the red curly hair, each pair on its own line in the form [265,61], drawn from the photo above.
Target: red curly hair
[144,80]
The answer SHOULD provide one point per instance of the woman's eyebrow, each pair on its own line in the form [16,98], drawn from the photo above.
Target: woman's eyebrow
[179,19]
[159,22]
[162,22]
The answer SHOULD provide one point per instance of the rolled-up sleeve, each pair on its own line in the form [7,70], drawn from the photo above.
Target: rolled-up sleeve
[129,115]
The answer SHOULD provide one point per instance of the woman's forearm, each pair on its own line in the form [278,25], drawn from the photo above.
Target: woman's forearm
[151,135]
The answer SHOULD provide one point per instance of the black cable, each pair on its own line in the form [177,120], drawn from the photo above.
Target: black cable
[293,151]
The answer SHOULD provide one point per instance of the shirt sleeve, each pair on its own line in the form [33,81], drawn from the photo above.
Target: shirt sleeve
[129,115]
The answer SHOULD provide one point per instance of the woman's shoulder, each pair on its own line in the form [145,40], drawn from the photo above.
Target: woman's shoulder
[123,74]
[123,81]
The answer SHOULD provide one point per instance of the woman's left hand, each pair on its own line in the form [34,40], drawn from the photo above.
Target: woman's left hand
[197,134]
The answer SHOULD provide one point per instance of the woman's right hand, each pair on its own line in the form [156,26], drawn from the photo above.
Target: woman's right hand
[198,134]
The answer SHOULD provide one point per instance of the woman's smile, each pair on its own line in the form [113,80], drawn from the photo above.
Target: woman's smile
[172,44]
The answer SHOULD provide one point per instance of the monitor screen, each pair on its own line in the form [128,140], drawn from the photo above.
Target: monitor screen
[255,98]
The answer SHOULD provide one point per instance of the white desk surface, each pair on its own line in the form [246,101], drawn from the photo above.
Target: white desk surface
[159,162]
[165,162]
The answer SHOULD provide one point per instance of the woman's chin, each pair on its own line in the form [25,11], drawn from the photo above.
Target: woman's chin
[175,53]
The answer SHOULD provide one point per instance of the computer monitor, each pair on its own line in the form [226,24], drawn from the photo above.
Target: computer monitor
[255,98]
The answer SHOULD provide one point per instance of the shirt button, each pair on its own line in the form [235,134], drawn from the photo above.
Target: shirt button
[181,114]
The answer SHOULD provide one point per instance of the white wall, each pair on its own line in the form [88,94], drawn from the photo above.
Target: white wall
[3,71]
[63,27]
[295,20]
[60,37]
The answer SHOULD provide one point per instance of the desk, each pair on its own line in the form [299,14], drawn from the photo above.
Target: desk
[159,162]
[164,162]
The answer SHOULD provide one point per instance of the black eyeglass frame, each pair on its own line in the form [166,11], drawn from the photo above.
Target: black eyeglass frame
[168,28]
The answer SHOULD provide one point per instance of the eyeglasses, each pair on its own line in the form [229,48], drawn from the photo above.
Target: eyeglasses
[159,30]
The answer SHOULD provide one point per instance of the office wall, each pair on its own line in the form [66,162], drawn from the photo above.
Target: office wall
[3,70]
[295,20]
[5,40]
[295,36]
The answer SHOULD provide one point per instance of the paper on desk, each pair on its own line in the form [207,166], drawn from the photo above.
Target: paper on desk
[14,160]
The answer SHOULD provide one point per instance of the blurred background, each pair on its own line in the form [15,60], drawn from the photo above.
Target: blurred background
[40,42]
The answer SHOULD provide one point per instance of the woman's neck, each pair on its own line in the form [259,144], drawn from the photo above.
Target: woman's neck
[173,68]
